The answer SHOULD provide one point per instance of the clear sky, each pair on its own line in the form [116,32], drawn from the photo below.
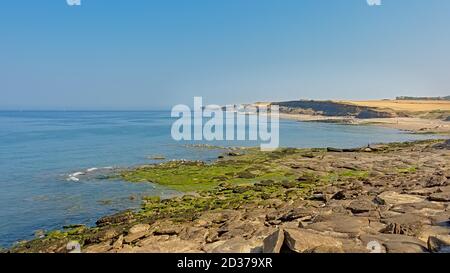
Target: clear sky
[143,54]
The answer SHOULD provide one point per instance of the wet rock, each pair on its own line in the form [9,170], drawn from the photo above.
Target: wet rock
[103,235]
[302,240]
[439,244]
[274,242]
[122,217]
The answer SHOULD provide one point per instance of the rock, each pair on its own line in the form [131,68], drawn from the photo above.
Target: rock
[326,249]
[341,195]
[361,206]
[274,242]
[174,245]
[197,234]
[428,230]
[407,224]
[166,227]
[118,243]
[103,235]
[393,198]
[135,236]
[98,248]
[235,245]
[319,197]
[424,208]
[440,197]
[423,191]
[139,228]
[302,240]
[395,243]
[121,217]
[297,213]
[238,228]
[439,244]
[353,226]
[288,184]
[435,181]
[441,219]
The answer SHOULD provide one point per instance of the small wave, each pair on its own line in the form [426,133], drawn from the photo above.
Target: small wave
[75,176]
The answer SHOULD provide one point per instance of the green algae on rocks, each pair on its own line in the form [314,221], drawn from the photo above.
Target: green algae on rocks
[249,167]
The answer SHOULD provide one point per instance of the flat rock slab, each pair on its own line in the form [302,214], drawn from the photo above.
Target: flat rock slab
[354,226]
[393,198]
[395,243]
[302,240]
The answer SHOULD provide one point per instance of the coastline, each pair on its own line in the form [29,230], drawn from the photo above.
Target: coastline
[396,193]
[409,124]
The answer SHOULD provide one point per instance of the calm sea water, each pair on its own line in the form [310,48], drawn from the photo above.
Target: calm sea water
[39,151]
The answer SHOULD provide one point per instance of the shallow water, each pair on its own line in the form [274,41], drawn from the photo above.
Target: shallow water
[40,150]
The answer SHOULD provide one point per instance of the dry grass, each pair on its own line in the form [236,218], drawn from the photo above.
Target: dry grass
[413,106]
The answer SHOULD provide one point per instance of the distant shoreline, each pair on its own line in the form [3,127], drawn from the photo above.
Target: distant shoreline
[412,125]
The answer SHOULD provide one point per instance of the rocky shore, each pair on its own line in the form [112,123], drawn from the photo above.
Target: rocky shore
[391,198]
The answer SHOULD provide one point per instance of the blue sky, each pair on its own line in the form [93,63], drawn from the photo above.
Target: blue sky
[143,54]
